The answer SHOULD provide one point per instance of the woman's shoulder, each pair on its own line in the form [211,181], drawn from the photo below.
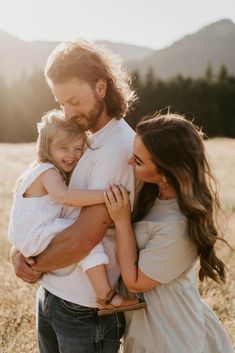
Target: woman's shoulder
[173,227]
[165,216]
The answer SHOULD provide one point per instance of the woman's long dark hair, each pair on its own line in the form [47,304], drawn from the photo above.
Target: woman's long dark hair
[177,149]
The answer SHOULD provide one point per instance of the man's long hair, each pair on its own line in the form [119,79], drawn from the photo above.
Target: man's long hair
[88,62]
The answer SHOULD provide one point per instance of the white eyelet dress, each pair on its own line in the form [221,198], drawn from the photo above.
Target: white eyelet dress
[34,221]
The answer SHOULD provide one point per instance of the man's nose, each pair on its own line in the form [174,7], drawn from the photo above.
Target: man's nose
[69,112]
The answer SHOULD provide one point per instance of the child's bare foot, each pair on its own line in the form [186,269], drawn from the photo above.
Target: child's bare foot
[115,302]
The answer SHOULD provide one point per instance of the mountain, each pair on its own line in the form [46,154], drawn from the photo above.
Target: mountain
[190,56]
[19,58]
[127,51]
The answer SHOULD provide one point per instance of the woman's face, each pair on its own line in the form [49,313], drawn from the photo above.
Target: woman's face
[144,167]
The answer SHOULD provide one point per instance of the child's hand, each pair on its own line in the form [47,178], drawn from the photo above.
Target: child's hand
[117,202]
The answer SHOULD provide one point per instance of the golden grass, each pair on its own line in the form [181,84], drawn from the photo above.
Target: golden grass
[17,305]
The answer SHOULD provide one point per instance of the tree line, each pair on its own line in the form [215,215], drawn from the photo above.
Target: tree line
[209,101]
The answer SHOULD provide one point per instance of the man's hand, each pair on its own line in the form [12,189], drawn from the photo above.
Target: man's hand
[22,268]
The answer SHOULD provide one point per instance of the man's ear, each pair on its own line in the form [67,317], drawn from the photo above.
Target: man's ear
[101,88]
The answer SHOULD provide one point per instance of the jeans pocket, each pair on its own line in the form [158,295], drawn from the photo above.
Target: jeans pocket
[120,324]
[45,300]
[77,310]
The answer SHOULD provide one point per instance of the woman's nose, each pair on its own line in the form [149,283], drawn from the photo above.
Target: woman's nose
[131,161]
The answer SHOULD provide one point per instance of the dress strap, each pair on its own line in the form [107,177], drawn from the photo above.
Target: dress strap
[31,174]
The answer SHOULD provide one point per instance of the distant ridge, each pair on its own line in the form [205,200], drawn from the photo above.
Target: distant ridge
[23,58]
[188,56]
[128,52]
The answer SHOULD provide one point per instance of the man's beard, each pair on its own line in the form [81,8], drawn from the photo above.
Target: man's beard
[88,122]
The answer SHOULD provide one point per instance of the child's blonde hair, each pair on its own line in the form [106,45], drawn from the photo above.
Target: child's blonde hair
[53,125]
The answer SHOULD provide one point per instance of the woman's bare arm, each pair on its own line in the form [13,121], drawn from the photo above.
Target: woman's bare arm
[117,202]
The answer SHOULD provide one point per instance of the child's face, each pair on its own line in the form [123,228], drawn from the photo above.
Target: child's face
[67,155]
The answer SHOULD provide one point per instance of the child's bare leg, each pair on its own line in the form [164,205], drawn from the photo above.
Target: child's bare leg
[100,282]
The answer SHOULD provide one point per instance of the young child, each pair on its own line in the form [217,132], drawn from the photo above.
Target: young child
[36,215]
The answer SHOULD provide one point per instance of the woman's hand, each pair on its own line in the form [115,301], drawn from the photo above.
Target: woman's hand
[116,199]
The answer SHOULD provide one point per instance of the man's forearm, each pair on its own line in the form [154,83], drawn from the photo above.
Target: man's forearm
[75,242]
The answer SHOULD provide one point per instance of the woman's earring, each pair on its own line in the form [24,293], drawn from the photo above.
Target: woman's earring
[162,188]
[163,183]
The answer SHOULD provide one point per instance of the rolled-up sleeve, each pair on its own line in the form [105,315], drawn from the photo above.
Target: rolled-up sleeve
[168,252]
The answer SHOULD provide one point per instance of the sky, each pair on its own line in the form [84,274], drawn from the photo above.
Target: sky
[150,23]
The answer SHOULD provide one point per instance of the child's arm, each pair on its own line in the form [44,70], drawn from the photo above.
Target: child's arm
[55,186]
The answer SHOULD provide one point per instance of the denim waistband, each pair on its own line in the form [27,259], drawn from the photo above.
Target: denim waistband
[67,301]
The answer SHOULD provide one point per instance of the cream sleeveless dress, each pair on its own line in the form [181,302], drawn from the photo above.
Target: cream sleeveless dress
[176,320]
[34,221]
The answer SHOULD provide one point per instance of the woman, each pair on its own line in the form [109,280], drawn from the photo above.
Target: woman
[175,227]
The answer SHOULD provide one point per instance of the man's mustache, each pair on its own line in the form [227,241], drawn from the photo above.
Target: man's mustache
[77,117]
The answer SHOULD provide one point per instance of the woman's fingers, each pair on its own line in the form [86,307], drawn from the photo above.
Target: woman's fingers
[116,196]
[116,193]
[117,202]
[107,200]
[124,193]
[113,198]
[111,195]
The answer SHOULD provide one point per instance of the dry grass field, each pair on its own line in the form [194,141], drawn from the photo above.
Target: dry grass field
[18,299]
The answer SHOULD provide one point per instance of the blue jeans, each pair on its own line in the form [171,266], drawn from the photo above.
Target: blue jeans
[65,327]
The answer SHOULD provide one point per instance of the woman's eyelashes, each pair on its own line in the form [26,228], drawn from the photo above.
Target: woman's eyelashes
[137,161]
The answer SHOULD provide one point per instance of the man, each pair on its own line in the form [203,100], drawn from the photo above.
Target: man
[93,90]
